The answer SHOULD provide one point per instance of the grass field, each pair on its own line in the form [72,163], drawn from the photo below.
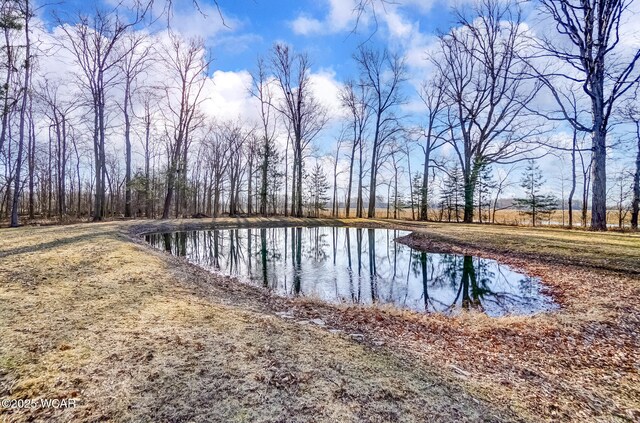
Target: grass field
[506,217]
[89,311]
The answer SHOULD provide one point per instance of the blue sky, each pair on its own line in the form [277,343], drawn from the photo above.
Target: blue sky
[254,25]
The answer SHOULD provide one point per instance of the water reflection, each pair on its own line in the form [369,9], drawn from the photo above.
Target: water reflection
[361,266]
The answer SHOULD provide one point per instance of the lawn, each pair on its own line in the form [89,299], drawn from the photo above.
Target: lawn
[90,312]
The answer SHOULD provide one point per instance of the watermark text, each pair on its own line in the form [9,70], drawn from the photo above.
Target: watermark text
[27,403]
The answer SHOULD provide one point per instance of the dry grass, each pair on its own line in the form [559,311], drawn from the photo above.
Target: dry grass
[579,363]
[502,217]
[88,312]
[615,251]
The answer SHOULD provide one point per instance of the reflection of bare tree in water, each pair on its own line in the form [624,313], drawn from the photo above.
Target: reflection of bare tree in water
[233,256]
[298,262]
[249,251]
[373,275]
[425,279]
[359,245]
[263,256]
[296,259]
[395,261]
[182,243]
[334,244]
[434,282]
[216,249]
[469,279]
[350,265]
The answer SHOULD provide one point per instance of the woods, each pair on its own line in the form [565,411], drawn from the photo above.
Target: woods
[128,131]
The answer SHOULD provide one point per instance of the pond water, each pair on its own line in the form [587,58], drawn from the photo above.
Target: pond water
[359,266]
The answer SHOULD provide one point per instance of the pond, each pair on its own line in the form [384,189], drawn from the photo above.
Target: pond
[358,266]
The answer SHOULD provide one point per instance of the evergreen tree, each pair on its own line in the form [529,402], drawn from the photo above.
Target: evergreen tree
[535,204]
[416,193]
[275,179]
[452,195]
[317,185]
[484,186]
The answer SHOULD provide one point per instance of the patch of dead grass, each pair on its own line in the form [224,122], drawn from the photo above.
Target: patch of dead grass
[136,335]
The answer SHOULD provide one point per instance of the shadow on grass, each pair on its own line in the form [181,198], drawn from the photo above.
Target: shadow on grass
[52,244]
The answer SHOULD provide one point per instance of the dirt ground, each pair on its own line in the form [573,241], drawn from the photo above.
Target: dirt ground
[91,312]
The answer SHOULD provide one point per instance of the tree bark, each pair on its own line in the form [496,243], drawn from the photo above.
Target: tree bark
[127,145]
[23,112]
[635,207]
[599,181]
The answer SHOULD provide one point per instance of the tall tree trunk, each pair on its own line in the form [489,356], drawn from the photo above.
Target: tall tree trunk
[264,171]
[63,168]
[75,148]
[101,168]
[23,112]
[293,186]
[299,181]
[32,160]
[469,188]
[250,183]
[360,201]
[371,212]
[286,175]
[470,182]
[347,204]
[424,191]
[334,203]
[7,85]
[127,146]
[599,181]
[171,180]
[573,176]
[635,207]
[147,160]
[97,166]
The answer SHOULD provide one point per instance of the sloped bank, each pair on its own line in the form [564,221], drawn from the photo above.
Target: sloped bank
[579,362]
[90,312]
[93,312]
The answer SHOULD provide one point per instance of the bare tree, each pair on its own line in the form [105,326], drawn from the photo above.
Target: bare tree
[306,116]
[10,24]
[336,173]
[27,14]
[135,56]
[186,63]
[93,43]
[148,99]
[58,110]
[432,94]
[383,73]
[355,98]
[631,112]
[263,90]
[485,83]
[217,139]
[590,55]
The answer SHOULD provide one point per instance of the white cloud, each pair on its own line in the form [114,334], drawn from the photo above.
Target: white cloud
[304,25]
[326,89]
[227,96]
[205,22]
[340,17]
